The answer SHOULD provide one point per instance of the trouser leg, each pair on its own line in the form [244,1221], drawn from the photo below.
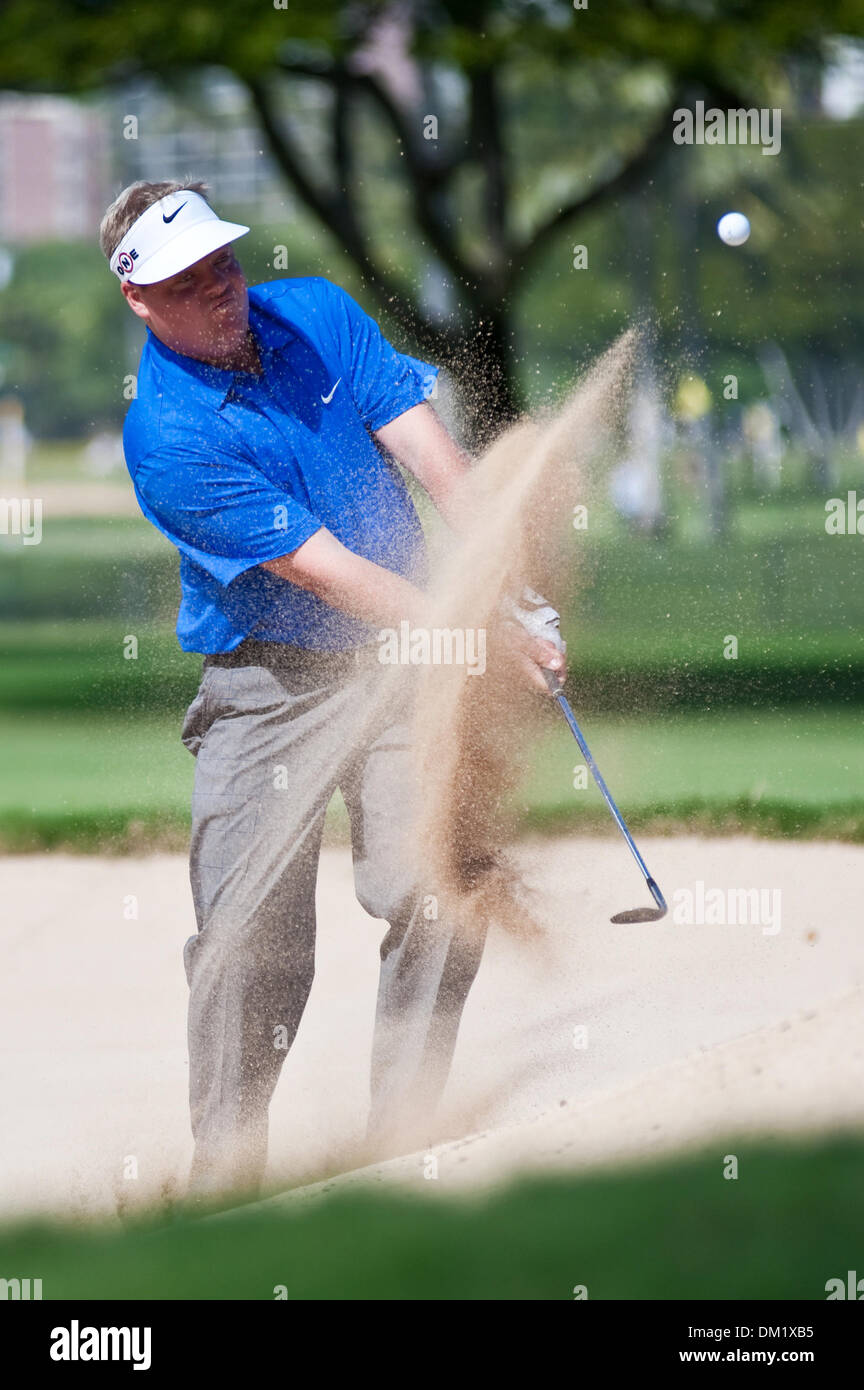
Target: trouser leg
[250,971]
[427,969]
[265,772]
[428,963]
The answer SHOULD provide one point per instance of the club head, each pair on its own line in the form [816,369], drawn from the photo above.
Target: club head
[644,914]
[638,914]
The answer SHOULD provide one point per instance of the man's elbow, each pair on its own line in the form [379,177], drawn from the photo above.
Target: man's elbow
[310,565]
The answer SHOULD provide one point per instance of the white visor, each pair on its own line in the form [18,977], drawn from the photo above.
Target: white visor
[169,237]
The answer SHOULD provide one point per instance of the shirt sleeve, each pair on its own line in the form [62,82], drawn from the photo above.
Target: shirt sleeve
[219,510]
[384,383]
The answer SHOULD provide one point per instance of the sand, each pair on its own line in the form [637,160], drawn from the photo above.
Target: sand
[472,739]
[694,1033]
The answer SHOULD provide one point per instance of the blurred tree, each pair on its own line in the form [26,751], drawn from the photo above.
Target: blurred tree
[61,341]
[437,79]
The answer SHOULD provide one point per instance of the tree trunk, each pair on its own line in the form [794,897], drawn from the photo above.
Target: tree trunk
[481,360]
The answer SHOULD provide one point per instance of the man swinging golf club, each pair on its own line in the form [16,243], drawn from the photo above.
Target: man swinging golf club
[256,444]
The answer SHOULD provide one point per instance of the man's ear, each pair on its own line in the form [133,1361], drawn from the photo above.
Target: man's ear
[132,295]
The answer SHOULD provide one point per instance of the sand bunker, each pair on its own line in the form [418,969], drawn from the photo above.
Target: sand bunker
[93,1068]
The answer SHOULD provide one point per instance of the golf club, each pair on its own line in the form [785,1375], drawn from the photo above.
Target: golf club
[636,914]
[540,619]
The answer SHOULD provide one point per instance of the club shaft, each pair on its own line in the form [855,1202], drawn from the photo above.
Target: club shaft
[552,682]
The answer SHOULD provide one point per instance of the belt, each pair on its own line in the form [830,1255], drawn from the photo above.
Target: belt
[279,655]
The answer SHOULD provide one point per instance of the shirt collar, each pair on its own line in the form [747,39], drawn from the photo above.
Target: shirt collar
[218,382]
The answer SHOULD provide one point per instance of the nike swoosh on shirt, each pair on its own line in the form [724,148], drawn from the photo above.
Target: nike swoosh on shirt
[328,399]
[174,213]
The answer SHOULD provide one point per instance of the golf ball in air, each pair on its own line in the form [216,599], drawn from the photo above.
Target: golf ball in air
[733,228]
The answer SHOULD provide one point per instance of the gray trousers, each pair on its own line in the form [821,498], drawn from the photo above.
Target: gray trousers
[274,734]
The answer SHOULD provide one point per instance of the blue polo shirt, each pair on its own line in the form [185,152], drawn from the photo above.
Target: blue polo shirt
[235,468]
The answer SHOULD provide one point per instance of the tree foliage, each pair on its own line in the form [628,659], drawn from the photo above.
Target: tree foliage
[483,216]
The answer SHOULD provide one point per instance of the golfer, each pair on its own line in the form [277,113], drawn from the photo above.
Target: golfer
[262,443]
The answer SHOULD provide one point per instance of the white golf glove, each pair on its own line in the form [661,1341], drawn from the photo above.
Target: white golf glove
[537,617]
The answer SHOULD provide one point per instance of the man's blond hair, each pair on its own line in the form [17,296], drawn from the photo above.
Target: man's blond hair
[137,198]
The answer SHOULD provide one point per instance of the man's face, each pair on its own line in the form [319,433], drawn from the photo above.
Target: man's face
[200,312]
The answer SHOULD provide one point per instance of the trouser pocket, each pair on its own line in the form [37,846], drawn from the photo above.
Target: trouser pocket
[195,723]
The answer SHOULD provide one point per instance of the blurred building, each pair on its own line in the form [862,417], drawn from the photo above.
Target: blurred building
[54,168]
[207,131]
[62,161]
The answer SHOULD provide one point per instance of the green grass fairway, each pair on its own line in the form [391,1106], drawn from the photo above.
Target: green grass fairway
[792,1220]
[791,771]
[112,782]
[94,782]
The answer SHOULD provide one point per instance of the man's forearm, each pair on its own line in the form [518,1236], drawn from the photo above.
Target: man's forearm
[325,567]
[328,569]
[421,444]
